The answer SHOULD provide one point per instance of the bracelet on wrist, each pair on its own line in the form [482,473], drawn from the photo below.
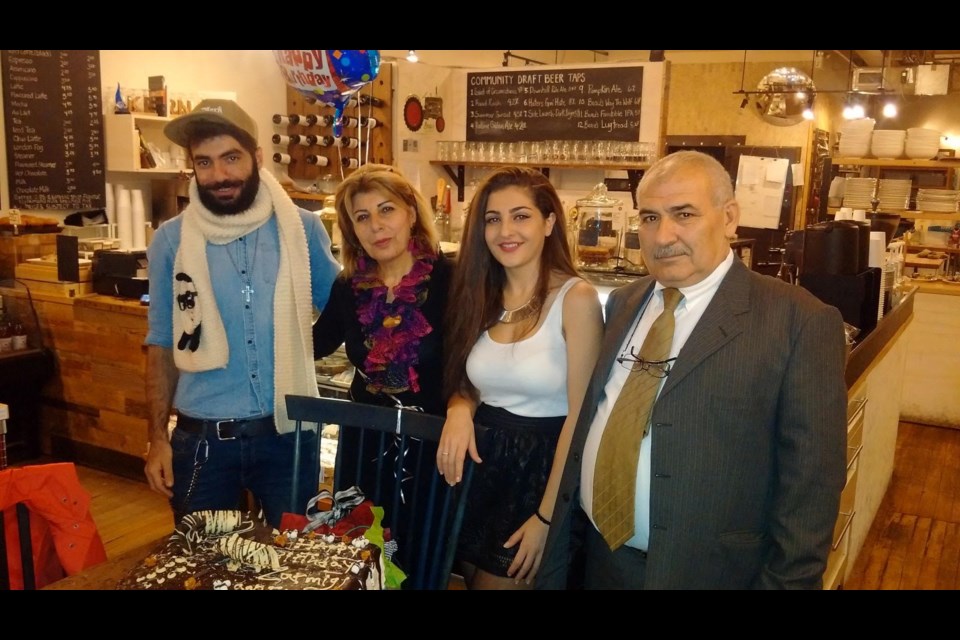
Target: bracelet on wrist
[541,518]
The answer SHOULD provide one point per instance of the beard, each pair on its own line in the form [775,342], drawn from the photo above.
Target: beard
[248,193]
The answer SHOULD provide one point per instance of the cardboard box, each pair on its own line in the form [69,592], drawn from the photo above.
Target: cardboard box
[932,80]
[62,289]
[46,271]
[17,249]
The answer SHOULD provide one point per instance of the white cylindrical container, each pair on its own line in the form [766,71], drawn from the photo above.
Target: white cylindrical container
[110,205]
[860,215]
[178,156]
[878,249]
[124,217]
[138,219]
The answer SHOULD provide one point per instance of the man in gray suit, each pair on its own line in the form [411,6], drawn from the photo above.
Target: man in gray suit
[738,477]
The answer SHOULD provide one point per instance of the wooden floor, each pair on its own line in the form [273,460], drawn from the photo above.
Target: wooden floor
[914,542]
[128,514]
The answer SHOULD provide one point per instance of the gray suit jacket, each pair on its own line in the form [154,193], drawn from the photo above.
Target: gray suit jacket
[748,441]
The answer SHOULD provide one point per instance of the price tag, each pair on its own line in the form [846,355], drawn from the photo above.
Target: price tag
[15,217]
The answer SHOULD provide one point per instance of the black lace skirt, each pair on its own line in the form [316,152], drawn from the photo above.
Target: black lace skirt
[517,454]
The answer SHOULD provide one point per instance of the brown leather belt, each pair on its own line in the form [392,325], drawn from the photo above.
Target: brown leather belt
[228,429]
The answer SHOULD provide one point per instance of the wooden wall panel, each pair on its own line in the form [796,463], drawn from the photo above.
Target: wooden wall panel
[97,395]
[381,138]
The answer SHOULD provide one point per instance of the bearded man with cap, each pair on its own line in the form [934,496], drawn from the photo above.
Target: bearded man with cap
[234,282]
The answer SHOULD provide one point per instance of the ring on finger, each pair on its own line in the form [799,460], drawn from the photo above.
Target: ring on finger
[443,453]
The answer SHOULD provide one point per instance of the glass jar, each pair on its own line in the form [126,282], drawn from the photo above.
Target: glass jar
[19,336]
[631,244]
[598,238]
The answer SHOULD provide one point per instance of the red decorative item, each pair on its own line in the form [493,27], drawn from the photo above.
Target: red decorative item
[413,113]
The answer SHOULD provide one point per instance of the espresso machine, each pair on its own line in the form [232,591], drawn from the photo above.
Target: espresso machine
[835,268]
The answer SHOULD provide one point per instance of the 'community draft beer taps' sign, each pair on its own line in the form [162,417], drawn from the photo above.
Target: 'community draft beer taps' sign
[594,103]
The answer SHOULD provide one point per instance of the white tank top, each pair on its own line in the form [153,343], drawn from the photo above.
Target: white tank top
[528,378]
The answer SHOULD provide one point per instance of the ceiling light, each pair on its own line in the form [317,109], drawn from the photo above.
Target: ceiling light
[412,56]
[808,110]
[853,109]
[890,110]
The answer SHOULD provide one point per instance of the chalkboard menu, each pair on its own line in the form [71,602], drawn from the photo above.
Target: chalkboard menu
[594,103]
[54,128]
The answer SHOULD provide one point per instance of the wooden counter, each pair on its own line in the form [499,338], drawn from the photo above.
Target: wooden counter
[866,352]
[935,286]
[93,410]
[932,378]
[875,376]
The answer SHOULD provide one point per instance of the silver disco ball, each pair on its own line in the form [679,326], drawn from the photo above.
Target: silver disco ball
[787,91]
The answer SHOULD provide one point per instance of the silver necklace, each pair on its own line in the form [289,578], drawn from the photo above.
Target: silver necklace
[247,290]
[527,310]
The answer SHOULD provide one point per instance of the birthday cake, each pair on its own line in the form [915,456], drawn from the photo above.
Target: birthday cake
[228,550]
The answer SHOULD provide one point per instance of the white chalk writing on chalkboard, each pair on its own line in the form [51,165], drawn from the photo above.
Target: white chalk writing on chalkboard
[601,103]
[53,128]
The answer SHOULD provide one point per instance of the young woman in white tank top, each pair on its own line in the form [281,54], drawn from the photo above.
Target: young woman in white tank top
[520,347]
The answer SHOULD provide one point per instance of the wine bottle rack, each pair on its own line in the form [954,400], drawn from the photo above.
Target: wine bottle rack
[380,138]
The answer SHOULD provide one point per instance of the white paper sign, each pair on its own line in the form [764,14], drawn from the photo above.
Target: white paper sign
[759,190]
[797,174]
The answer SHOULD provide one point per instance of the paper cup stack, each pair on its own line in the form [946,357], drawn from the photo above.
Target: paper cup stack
[922,144]
[124,207]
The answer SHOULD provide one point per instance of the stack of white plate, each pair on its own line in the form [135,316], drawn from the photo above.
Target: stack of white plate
[855,137]
[894,194]
[888,143]
[858,192]
[939,200]
[922,144]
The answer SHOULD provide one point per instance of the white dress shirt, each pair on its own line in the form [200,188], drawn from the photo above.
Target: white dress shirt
[696,298]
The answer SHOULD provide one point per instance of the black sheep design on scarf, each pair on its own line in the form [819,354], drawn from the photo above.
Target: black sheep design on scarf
[189,312]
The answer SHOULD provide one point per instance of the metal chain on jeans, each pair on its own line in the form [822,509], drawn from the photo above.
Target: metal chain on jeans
[197,464]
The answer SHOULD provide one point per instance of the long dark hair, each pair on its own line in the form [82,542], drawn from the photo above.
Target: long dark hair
[478,280]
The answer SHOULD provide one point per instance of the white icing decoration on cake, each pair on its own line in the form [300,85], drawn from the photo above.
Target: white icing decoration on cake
[200,549]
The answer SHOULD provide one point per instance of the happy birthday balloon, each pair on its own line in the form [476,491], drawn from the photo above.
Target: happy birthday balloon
[329,75]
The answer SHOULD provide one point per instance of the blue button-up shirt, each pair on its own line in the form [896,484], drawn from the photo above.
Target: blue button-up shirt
[244,388]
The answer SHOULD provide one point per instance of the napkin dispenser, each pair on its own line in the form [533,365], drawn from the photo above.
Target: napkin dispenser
[120,273]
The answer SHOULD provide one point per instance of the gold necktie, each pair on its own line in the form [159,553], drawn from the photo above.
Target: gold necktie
[614,477]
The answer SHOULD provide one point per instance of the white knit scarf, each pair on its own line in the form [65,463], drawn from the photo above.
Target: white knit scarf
[199,335]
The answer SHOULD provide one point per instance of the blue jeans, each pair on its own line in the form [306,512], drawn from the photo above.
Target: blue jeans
[263,465]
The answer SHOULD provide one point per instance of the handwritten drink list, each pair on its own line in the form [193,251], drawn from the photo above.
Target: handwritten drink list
[600,103]
[54,128]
